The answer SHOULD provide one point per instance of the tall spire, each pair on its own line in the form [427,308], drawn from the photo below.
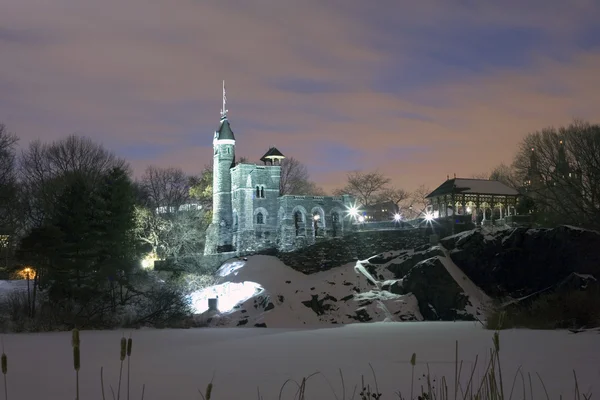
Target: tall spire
[224,109]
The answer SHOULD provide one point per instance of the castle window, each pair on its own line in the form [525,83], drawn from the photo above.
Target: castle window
[297,222]
[260,218]
[335,219]
[262,192]
[257,192]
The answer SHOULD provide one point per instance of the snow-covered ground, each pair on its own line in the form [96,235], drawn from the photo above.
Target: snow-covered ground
[263,290]
[173,364]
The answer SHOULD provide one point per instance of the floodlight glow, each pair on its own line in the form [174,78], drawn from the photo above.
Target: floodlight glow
[397,217]
[428,217]
[316,217]
[148,261]
[353,211]
[229,295]
[361,219]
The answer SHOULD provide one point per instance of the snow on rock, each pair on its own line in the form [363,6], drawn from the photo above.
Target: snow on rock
[407,285]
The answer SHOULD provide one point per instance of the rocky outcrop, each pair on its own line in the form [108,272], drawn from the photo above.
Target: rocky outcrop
[366,291]
[353,247]
[518,262]
[440,297]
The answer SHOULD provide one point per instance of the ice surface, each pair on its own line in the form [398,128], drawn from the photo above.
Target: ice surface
[175,363]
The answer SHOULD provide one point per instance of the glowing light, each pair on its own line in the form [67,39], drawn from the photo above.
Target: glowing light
[469,209]
[316,217]
[26,273]
[361,219]
[148,261]
[397,217]
[229,295]
[428,217]
[353,211]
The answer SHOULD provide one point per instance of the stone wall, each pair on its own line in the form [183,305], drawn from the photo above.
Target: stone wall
[354,246]
[330,211]
[248,203]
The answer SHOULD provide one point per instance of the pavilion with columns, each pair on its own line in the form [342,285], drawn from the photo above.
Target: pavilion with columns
[485,201]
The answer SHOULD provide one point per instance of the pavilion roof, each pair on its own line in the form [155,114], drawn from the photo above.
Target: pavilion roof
[473,186]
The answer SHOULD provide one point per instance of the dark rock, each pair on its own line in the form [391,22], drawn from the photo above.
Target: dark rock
[360,315]
[521,261]
[260,325]
[400,269]
[319,306]
[242,322]
[438,294]
[280,298]
[269,306]
[393,287]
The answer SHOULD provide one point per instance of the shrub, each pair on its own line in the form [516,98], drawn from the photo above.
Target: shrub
[573,309]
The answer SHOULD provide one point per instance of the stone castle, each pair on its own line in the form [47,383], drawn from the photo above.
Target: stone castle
[249,214]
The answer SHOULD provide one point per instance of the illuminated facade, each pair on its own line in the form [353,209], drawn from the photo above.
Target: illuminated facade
[249,214]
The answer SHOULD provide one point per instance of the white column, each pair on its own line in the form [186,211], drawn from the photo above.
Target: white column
[483,209]
[501,211]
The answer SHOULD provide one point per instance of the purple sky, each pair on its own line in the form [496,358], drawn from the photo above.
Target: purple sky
[418,90]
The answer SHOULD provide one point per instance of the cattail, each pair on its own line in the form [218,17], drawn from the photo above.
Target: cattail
[208,390]
[76,358]
[129,344]
[123,348]
[4,371]
[75,339]
[497,342]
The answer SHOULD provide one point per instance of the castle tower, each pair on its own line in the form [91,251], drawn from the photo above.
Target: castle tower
[219,235]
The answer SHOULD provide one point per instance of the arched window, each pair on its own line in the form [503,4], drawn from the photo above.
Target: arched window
[260,218]
[262,192]
[297,221]
[335,220]
[257,191]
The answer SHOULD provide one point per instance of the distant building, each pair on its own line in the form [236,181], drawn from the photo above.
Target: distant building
[481,199]
[249,213]
[379,212]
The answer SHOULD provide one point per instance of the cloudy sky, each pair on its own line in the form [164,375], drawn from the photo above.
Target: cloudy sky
[416,89]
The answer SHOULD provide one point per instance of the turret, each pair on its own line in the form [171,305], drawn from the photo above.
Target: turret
[219,234]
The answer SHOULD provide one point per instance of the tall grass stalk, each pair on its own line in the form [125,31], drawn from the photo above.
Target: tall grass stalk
[122,358]
[129,345]
[75,342]
[4,362]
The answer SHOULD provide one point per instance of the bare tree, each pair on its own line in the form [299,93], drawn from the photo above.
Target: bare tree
[9,199]
[562,170]
[295,179]
[173,220]
[8,181]
[505,174]
[395,195]
[366,187]
[417,202]
[45,166]
[165,188]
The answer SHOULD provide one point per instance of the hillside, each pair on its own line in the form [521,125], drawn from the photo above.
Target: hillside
[405,285]
[457,280]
